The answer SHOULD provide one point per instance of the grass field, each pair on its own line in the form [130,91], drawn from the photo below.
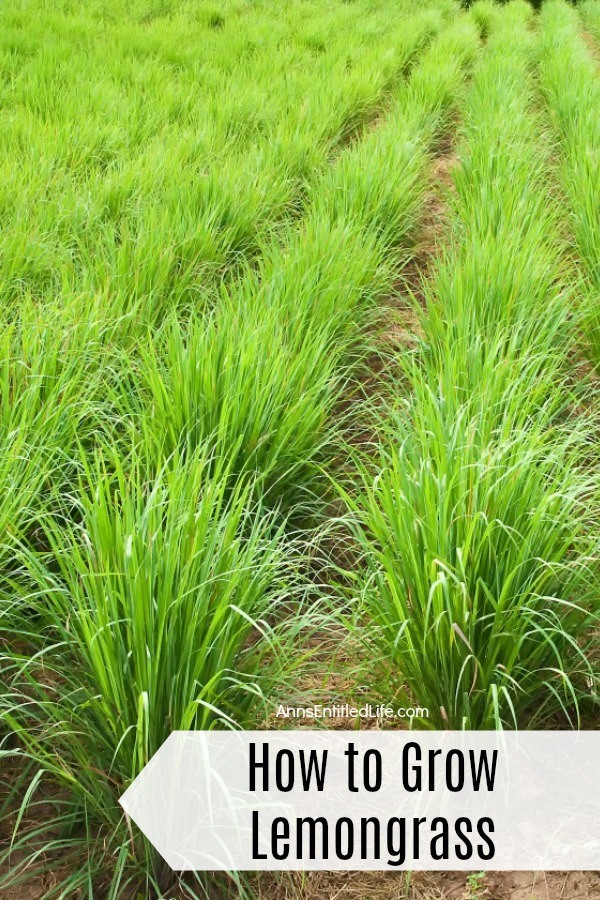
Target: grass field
[299,363]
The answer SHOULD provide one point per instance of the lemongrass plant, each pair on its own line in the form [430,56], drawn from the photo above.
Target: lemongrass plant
[166,608]
[569,81]
[50,371]
[481,587]
[590,14]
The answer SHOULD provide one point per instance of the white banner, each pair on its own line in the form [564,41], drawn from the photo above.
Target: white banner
[387,800]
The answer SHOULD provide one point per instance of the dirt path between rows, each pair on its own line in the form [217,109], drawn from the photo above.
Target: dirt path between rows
[592,45]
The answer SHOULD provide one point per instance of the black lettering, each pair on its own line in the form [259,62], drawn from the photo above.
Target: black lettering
[432,756]
[313,762]
[491,850]
[255,853]
[396,849]
[416,770]
[312,837]
[376,784]
[490,775]
[282,785]
[364,839]
[443,850]
[280,831]
[264,765]
[417,837]
[463,827]
[459,783]
[347,853]
[351,753]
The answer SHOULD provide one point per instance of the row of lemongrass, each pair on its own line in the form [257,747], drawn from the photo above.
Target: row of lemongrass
[571,85]
[476,524]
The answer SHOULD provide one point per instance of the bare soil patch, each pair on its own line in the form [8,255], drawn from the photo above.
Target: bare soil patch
[403,327]
[592,45]
[430,886]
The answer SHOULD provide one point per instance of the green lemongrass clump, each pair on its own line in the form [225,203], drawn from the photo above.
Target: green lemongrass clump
[485,14]
[590,13]
[381,185]
[153,618]
[259,376]
[481,592]
[50,369]
[476,528]
[569,80]
[503,271]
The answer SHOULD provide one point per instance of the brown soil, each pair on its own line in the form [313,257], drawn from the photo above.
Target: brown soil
[404,325]
[399,886]
[329,682]
[431,886]
[592,45]
[399,327]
